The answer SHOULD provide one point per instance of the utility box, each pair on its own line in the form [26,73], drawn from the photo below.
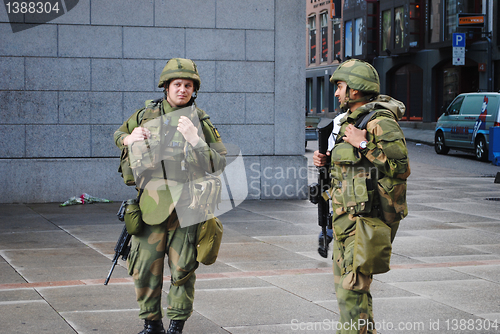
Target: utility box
[494,145]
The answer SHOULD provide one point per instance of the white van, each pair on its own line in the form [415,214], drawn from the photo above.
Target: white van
[466,122]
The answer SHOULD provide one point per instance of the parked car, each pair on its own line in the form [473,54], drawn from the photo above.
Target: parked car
[466,122]
[311,125]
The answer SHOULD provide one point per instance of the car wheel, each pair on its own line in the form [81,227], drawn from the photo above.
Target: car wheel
[439,145]
[481,149]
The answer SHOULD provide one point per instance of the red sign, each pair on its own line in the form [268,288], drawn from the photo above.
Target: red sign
[481,67]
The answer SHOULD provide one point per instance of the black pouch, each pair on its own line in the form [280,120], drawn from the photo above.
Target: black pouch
[133,217]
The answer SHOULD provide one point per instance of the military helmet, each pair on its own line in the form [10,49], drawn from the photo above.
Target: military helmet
[358,75]
[180,68]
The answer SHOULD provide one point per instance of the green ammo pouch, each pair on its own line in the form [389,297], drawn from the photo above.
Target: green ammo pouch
[392,193]
[208,240]
[372,246]
[124,169]
[133,217]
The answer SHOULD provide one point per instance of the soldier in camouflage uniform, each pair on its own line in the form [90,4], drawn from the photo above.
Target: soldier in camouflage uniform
[369,168]
[163,193]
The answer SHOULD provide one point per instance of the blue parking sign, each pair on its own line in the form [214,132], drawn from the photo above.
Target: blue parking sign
[459,40]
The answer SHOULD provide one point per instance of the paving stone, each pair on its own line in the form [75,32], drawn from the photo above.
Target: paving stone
[460,236]
[32,317]
[417,315]
[312,287]
[266,227]
[487,272]
[418,246]
[38,239]
[95,297]
[9,275]
[269,305]
[466,295]
[419,275]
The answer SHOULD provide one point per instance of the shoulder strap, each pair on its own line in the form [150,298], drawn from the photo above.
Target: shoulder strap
[362,122]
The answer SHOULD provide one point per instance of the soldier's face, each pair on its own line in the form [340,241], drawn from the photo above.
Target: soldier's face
[340,92]
[179,92]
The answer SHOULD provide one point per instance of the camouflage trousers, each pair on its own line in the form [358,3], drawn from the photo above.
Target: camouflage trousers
[146,266]
[352,290]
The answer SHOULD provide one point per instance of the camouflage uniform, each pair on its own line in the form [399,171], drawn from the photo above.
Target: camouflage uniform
[356,177]
[163,194]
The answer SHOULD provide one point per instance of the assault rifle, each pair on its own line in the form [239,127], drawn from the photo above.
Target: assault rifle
[316,190]
[122,247]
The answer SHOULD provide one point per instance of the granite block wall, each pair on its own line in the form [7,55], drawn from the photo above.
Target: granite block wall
[67,85]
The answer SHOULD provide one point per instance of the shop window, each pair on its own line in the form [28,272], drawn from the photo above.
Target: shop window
[348,39]
[358,37]
[407,87]
[399,31]
[386,30]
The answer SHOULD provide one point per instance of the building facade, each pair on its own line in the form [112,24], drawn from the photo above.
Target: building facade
[68,84]
[322,54]
[410,43]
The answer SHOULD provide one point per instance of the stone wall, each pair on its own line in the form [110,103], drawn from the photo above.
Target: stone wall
[68,84]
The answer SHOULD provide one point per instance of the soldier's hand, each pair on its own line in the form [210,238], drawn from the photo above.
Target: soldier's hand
[138,134]
[354,136]
[188,130]
[319,159]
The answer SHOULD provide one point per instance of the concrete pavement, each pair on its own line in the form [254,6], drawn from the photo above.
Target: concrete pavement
[445,275]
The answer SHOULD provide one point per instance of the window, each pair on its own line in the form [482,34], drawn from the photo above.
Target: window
[358,37]
[312,39]
[324,36]
[336,35]
[415,24]
[443,20]
[451,19]
[309,95]
[454,109]
[386,30]
[371,28]
[321,94]
[348,39]
[399,33]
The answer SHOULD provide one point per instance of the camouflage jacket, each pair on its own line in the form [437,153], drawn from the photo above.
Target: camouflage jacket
[163,178]
[370,182]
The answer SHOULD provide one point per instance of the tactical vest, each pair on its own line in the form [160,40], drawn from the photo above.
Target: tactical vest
[166,145]
[360,189]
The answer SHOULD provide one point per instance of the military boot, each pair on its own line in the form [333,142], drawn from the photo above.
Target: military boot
[153,327]
[175,327]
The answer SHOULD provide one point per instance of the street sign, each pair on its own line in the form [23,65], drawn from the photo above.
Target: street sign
[458,40]
[458,56]
[458,49]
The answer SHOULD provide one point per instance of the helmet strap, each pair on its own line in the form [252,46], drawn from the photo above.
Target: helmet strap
[344,106]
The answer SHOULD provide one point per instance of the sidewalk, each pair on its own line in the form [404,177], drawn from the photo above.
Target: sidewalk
[419,132]
[445,275]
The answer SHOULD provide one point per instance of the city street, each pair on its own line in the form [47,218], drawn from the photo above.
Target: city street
[445,275]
